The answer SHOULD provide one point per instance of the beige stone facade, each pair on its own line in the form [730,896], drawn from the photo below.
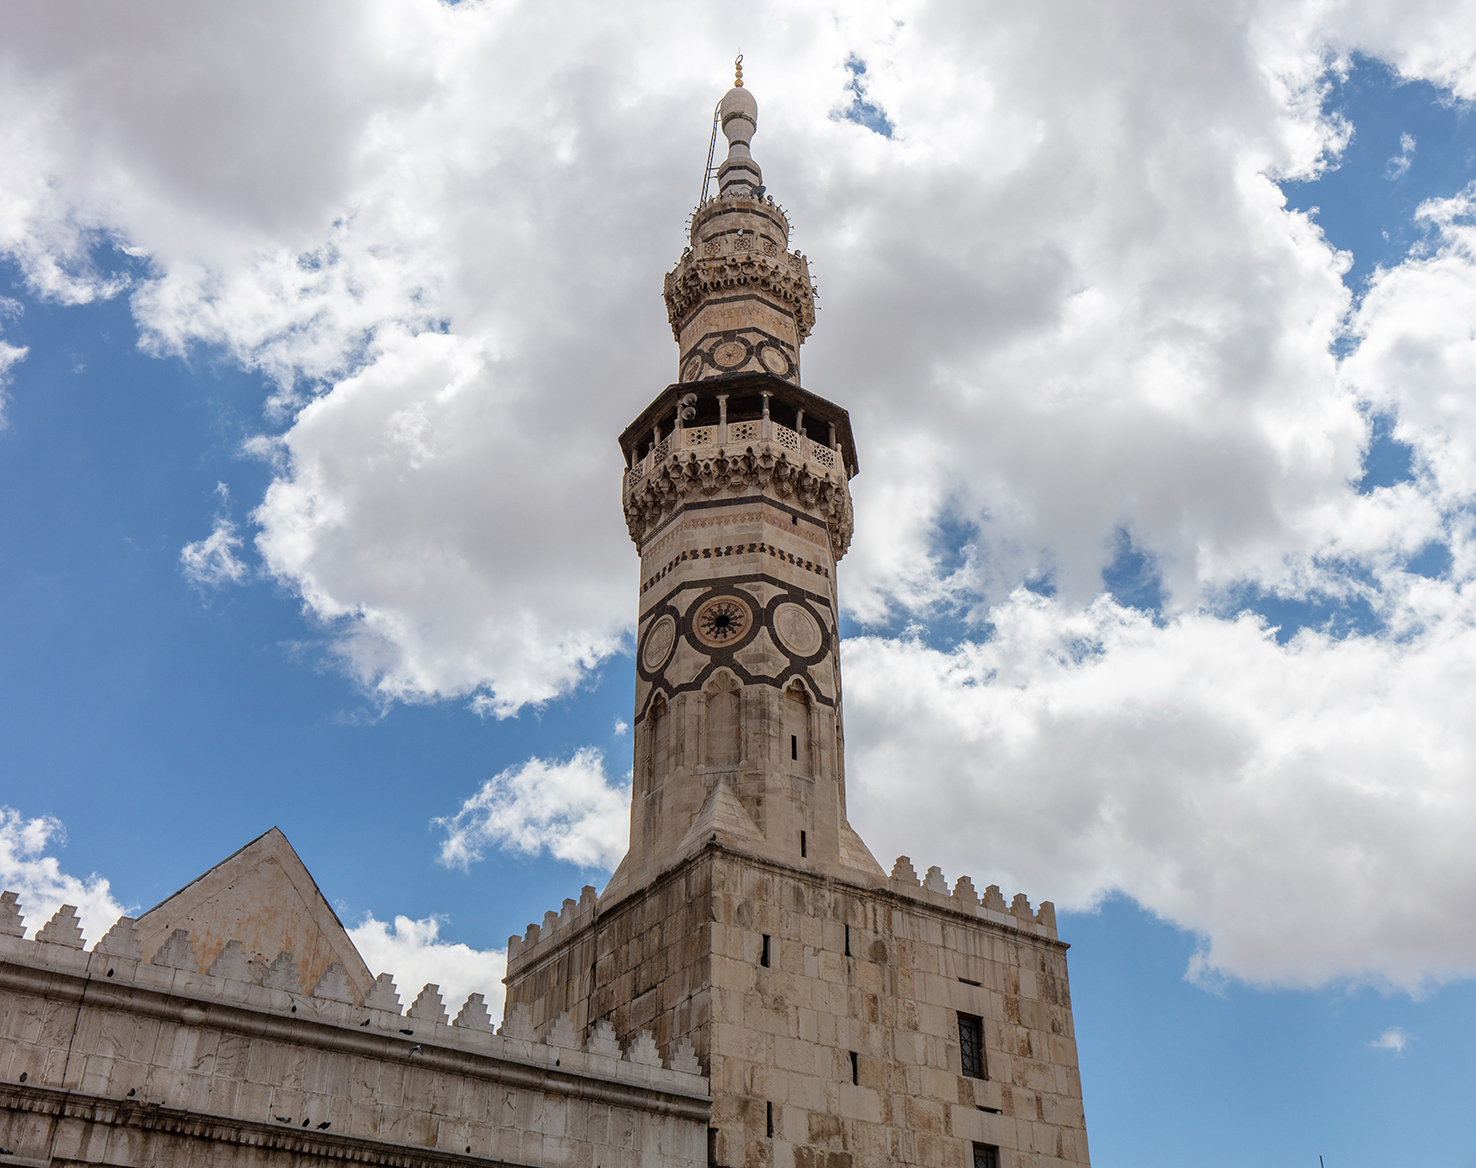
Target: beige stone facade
[108,1056]
[846,1018]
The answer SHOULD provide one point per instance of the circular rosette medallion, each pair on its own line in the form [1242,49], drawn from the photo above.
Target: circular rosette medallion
[722,621]
[658,644]
[798,630]
[774,360]
[730,354]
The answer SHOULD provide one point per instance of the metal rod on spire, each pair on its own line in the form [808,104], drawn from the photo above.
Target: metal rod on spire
[738,71]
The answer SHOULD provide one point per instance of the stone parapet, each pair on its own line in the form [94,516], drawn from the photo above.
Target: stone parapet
[254,1056]
[779,462]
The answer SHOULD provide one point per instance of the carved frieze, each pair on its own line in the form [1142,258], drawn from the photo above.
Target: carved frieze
[780,277]
[765,467]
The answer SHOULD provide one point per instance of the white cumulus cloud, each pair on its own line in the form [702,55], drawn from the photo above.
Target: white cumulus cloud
[1302,807]
[414,953]
[29,867]
[571,809]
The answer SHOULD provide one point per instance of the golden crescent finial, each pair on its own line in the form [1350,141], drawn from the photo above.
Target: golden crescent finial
[738,71]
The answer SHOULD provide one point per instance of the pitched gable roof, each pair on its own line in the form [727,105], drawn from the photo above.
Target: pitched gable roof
[264,897]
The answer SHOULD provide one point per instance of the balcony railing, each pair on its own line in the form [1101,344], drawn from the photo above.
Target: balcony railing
[737,434]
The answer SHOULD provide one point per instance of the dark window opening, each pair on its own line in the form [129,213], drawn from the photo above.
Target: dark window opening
[794,747]
[971,1045]
[855,1068]
[764,956]
[986,1156]
[804,845]
[848,940]
[991,1110]
[794,520]
[770,1119]
[712,1147]
[968,981]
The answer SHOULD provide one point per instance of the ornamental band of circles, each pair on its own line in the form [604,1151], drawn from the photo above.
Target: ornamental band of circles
[721,621]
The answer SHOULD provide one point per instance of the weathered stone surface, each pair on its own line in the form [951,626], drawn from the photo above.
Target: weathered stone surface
[263,898]
[153,1065]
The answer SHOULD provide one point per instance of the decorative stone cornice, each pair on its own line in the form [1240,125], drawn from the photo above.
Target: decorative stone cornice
[784,277]
[654,491]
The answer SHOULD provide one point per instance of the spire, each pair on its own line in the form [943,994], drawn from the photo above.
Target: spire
[738,112]
[739,300]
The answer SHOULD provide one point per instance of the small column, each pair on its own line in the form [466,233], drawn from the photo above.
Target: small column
[722,434]
[831,443]
[765,426]
[799,423]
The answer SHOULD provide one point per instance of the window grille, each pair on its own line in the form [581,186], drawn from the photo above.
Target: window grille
[971,1045]
[986,1156]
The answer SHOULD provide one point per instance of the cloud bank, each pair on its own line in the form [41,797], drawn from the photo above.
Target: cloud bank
[1063,298]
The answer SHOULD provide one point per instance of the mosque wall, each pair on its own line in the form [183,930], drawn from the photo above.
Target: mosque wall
[106,1058]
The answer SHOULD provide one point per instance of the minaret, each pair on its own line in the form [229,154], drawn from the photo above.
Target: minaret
[846,1018]
[735,492]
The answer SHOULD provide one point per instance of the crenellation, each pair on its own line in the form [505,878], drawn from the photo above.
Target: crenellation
[176,952]
[231,965]
[63,929]
[334,985]
[282,974]
[428,1005]
[12,923]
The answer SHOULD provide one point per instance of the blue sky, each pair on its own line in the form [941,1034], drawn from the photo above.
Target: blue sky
[1043,525]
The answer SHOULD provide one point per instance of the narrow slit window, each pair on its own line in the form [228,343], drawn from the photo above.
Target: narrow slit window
[769,1119]
[712,1134]
[764,956]
[848,940]
[986,1156]
[855,1068]
[794,747]
[971,1045]
[804,845]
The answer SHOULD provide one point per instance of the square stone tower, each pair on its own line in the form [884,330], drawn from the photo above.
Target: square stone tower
[847,1017]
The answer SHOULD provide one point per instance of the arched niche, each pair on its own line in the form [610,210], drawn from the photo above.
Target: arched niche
[658,741]
[797,717]
[722,702]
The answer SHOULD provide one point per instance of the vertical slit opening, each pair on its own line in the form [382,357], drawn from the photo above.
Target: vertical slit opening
[848,940]
[764,956]
[855,1068]
[769,1121]
[804,845]
[794,747]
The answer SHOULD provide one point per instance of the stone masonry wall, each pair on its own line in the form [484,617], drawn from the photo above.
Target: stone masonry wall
[107,1058]
[684,959]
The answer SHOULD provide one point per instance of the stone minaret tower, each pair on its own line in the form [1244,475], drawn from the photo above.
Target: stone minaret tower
[846,1017]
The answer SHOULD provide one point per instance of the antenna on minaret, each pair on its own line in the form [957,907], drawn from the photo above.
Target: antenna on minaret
[711,150]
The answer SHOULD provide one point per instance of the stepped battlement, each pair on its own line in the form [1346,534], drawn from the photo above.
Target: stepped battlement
[168,983]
